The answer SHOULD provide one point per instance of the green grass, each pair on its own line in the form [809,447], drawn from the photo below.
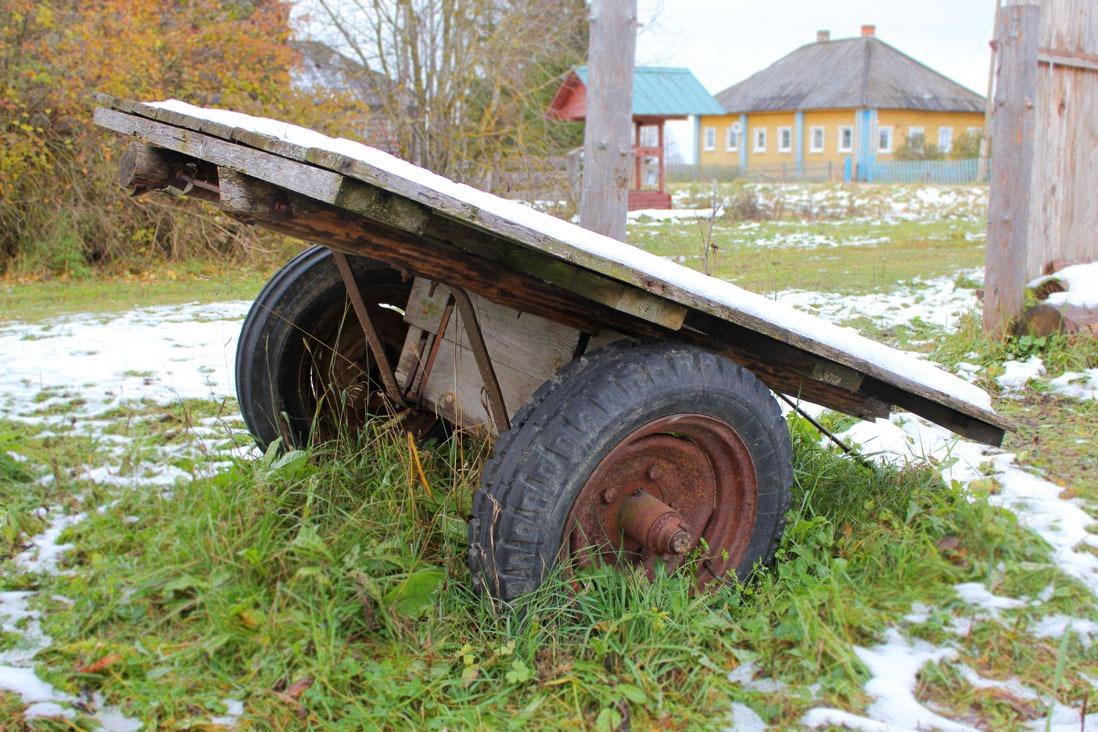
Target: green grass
[161,285]
[756,258]
[336,571]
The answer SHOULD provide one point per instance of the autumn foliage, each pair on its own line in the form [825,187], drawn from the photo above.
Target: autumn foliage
[60,207]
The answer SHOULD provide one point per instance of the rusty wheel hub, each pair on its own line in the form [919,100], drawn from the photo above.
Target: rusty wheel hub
[661,492]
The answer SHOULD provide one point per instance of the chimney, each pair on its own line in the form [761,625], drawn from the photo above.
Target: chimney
[823,36]
[869,31]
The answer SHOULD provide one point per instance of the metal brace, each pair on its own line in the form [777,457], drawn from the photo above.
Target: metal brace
[385,369]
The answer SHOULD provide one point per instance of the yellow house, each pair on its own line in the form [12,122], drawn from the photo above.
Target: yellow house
[836,109]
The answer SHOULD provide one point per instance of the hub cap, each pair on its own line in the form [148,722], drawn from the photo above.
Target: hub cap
[663,490]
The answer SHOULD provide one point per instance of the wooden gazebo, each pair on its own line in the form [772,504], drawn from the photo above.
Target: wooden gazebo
[659,94]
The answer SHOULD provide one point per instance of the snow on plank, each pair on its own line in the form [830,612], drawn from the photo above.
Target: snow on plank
[793,352]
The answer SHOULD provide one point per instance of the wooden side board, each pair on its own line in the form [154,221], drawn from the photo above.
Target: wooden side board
[360,209]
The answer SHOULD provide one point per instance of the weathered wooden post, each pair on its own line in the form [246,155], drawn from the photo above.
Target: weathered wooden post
[606,141]
[1012,133]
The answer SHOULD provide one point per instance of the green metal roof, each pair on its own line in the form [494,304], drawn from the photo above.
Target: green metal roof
[666,92]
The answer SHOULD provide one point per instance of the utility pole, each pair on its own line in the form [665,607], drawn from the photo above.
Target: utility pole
[607,144]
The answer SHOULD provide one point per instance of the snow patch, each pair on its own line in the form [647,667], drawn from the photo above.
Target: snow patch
[744,675]
[939,302]
[746,719]
[1082,284]
[1062,523]
[894,666]
[1054,626]
[1016,374]
[1078,385]
[234,709]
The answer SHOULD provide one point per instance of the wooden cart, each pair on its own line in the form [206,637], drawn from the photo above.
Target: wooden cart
[630,398]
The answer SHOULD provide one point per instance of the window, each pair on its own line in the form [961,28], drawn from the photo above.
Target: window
[710,138]
[916,136]
[732,139]
[760,139]
[785,139]
[884,139]
[816,139]
[945,139]
[975,131]
[846,138]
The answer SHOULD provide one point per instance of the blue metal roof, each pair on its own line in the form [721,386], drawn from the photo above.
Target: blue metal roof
[666,92]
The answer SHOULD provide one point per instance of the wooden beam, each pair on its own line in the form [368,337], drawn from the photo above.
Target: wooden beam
[1013,132]
[1069,59]
[256,202]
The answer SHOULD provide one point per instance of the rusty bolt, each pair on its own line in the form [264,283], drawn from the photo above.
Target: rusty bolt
[680,542]
[653,524]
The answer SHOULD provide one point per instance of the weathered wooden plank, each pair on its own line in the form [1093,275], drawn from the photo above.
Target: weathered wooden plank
[1063,206]
[322,185]
[518,340]
[378,204]
[1013,128]
[305,218]
[525,350]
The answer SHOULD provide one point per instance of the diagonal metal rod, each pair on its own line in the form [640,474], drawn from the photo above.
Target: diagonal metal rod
[384,368]
[484,361]
[823,430]
[416,396]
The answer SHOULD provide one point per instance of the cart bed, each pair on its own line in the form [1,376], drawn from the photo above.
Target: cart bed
[360,200]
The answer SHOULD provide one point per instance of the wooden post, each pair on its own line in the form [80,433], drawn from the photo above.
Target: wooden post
[606,145]
[663,157]
[1013,130]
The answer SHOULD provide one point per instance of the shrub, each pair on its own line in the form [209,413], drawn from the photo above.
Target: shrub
[60,207]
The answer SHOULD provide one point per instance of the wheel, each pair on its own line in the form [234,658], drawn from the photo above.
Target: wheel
[302,363]
[639,453]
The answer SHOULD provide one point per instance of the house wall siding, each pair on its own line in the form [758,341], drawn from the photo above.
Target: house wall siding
[901,120]
[831,121]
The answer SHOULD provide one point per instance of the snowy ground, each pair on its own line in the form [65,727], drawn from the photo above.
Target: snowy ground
[74,375]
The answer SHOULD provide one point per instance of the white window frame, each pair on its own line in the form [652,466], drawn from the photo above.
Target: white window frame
[912,132]
[760,139]
[709,139]
[886,129]
[812,133]
[731,139]
[945,145]
[978,131]
[782,132]
[843,148]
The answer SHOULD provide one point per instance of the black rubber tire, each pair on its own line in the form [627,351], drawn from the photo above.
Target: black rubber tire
[539,466]
[301,312]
